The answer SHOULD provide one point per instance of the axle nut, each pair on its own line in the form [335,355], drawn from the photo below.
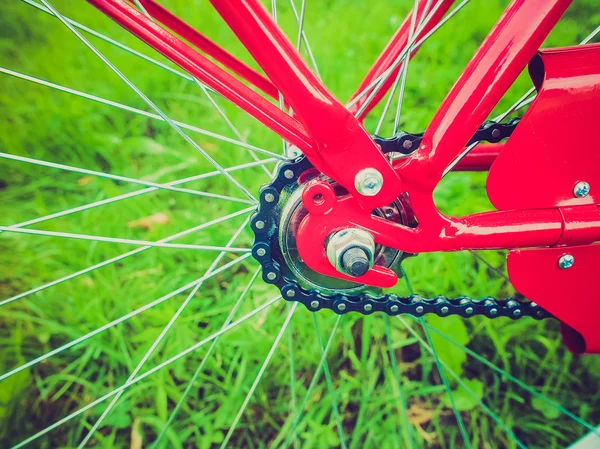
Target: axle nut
[351,251]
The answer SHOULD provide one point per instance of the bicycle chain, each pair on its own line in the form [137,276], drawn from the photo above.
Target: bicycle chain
[266,247]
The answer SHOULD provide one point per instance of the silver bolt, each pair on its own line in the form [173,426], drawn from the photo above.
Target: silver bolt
[341,307]
[261,252]
[271,276]
[407,145]
[496,133]
[493,312]
[368,307]
[517,312]
[314,304]
[290,293]
[419,309]
[566,261]
[581,189]
[289,174]
[469,310]
[444,310]
[269,197]
[394,308]
[368,182]
[260,224]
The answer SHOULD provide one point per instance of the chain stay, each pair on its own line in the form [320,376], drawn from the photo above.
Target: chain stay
[264,225]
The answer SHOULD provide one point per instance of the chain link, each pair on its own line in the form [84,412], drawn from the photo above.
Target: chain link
[266,251]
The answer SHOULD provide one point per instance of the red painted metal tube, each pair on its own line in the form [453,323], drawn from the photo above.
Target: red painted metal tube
[206,71]
[339,135]
[502,56]
[193,36]
[391,52]
[480,158]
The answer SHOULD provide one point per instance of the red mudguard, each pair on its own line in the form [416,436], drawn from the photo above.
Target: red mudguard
[555,146]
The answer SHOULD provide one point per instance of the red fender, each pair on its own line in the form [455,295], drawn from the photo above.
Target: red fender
[555,147]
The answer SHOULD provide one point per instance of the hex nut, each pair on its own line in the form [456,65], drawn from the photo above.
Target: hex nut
[347,239]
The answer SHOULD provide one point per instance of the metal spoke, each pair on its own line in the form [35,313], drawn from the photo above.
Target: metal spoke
[489,265]
[404,70]
[259,375]
[330,387]
[99,238]
[521,103]
[121,319]
[380,80]
[279,94]
[114,42]
[147,100]
[293,405]
[163,333]
[304,38]
[441,370]
[124,256]
[147,373]
[141,112]
[295,420]
[458,379]
[403,407]
[85,171]
[229,123]
[398,78]
[125,196]
[515,380]
[200,368]
[525,100]
[388,103]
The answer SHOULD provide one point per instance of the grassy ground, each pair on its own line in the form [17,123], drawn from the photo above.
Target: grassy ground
[42,123]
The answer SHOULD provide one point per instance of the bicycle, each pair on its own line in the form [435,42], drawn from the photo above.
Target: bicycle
[302,239]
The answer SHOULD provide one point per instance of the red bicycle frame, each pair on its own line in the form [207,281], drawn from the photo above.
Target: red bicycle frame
[336,143]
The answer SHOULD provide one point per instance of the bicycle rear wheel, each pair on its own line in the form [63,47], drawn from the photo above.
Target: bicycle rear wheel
[131,311]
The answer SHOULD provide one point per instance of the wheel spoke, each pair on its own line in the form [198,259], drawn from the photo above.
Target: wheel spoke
[300,20]
[441,367]
[121,319]
[330,387]
[489,265]
[295,420]
[98,174]
[113,42]
[200,368]
[458,379]
[259,375]
[229,123]
[124,256]
[125,196]
[137,111]
[376,85]
[293,405]
[403,406]
[163,333]
[149,102]
[525,100]
[515,380]
[147,373]
[404,70]
[98,238]
[521,103]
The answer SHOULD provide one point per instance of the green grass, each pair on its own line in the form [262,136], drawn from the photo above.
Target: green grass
[42,123]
